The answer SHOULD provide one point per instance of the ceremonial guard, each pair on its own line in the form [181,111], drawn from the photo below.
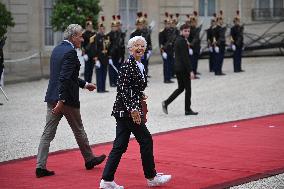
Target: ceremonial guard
[194,41]
[143,30]
[121,41]
[89,36]
[237,43]
[210,44]
[147,35]
[101,58]
[166,43]
[116,49]
[219,42]
[113,52]
[167,39]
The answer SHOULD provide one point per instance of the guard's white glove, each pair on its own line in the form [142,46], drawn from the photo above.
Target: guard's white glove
[86,58]
[233,47]
[217,50]
[98,64]
[210,49]
[149,54]
[190,51]
[110,61]
[164,55]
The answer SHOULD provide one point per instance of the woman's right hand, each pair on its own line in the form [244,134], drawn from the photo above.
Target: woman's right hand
[136,117]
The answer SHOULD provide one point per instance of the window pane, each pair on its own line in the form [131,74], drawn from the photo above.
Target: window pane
[133,4]
[278,4]
[49,37]
[201,7]
[211,7]
[122,4]
[48,33]
[264,3]
[133,8]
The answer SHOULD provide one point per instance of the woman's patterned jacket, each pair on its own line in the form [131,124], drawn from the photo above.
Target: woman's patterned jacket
[130,87]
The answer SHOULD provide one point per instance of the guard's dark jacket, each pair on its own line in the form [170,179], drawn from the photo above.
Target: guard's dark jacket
[209,32]
[219,34]
[117,47]
[86,43]
[237,35]
[130,87]
[182,61]
[167,39]
[194,38]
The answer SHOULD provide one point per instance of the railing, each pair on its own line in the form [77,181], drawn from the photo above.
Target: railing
[266,14]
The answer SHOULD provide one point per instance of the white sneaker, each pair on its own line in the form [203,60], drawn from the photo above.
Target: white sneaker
[159,179]
[109,185]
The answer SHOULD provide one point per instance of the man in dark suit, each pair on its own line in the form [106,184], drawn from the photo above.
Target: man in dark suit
[184,71]
[62,99]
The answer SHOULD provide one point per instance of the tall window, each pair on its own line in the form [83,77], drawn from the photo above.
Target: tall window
[51,38]
[278,8]
[207,7]
[264,4]
[127,11]
[268,10]
[48,33]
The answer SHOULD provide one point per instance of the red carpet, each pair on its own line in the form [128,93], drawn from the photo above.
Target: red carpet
[214,156]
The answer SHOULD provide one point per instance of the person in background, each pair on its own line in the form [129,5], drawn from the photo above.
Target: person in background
[219,40]
[114,52]
[184,71]
[122,35]
[62,97]
[101,56]
[88,36]
[210,44]
[130,118]
[166,43]
[237,39]
[194,40]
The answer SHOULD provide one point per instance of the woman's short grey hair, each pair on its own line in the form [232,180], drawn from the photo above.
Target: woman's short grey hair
[72,29]
[134,40]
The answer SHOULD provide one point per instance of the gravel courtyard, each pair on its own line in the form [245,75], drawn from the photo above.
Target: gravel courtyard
[256,92]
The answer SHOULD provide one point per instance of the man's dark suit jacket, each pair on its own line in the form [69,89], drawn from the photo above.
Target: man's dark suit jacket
[182,61]
[64,71]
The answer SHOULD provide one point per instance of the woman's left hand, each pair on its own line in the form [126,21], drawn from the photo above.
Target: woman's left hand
[144,97]
[136,117]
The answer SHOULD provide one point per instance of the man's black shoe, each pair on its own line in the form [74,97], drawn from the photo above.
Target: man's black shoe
[168,81]
[95,161]
[190,112]
[165,107]
[220,74]
[196,77]
[43,172]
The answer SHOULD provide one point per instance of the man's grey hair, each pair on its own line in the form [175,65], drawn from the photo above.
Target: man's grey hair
[72,29]
[134,39]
